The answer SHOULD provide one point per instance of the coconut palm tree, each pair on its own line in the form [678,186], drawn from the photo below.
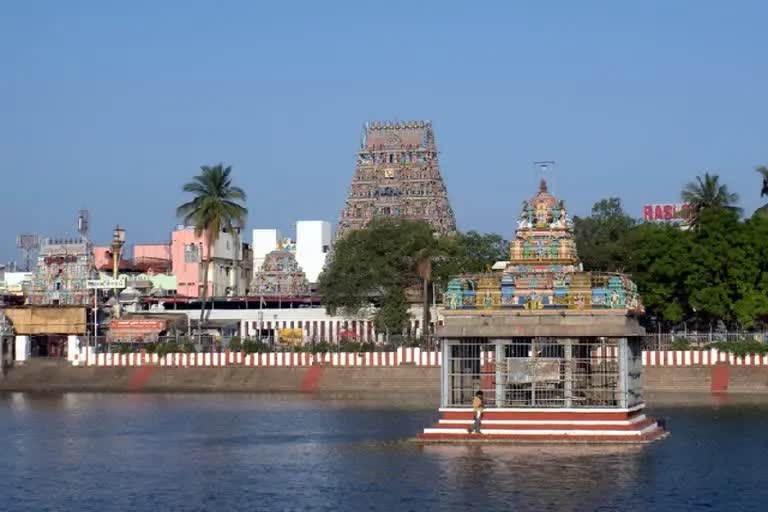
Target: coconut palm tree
[707,192]
[763,210]
[214,209]
[762,169]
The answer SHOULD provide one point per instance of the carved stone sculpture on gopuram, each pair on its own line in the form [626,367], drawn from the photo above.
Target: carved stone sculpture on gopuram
[397,175]
[544,271]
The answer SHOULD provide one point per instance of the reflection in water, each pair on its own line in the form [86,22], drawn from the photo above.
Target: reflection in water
[541,474]
[114,452]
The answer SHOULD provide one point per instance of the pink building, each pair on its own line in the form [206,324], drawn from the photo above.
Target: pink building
[229,260]
[187,250]
[228,272]
[147,258]
[102,257]
[152,252]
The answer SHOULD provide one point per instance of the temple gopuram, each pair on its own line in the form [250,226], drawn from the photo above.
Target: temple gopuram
[397,174]
[555,350]
[63,269]
[280,276]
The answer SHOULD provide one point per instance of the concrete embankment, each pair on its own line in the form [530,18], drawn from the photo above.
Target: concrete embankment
[420,383]
[333,382]
[720,378]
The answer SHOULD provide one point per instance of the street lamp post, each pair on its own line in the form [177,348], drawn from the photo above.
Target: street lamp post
[118,241]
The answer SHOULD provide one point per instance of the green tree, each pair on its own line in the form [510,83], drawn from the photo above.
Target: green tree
[376,265]
[708,284]
[600,238]
[715,276]
[392,315]
[470,253]
[763,170]
[750,273]
[763,210]
[707,192]
[658,258]
[215,208]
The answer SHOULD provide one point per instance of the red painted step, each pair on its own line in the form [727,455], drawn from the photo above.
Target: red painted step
[647,437]
[559,426]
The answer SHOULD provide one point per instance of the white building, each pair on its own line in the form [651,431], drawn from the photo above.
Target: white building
[13,282]
[313,241]
[263,241]
[314,322]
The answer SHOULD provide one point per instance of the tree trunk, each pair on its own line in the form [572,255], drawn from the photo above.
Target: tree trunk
[204,297]
[236,265]
[425,313]
[424,268]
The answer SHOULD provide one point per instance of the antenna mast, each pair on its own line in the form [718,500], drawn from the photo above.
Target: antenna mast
[28,245]
[542,168]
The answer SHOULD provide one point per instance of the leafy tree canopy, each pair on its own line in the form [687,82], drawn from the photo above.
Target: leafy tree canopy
[377,264]
[707,192]
[715,276]
[600,237]
[470,252]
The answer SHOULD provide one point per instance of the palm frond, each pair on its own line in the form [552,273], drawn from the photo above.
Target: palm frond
[215,206]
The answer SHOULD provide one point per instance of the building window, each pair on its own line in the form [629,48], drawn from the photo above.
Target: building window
[326,248]
[191,253]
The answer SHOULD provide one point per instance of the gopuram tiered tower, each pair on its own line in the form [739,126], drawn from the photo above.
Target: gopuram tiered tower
[397,175]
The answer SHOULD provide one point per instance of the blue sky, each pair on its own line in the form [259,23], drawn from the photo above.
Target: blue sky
[114,105]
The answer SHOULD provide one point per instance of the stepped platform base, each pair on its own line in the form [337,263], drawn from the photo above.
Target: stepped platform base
[546,426]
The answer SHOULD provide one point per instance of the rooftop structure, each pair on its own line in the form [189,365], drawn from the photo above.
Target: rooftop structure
[397,174]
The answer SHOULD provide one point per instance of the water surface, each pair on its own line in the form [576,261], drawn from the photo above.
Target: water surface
[119,452]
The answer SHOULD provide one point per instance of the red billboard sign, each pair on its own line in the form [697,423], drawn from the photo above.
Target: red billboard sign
[665,212]
[138,325]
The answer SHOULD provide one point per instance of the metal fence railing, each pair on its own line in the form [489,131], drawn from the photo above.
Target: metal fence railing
[205,343]
[671,341]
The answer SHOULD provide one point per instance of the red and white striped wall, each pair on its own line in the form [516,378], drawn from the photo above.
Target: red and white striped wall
[700,358]
[404,355]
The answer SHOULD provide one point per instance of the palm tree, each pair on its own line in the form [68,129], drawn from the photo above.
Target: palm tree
[762,169]
[707,192]
[214,209]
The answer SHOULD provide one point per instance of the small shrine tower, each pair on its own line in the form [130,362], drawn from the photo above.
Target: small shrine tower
[555,350]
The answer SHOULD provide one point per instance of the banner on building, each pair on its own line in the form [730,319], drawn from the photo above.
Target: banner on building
[138,325]
[34,320]
[666,212]
[291,336]
[136,329]
[107,283]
